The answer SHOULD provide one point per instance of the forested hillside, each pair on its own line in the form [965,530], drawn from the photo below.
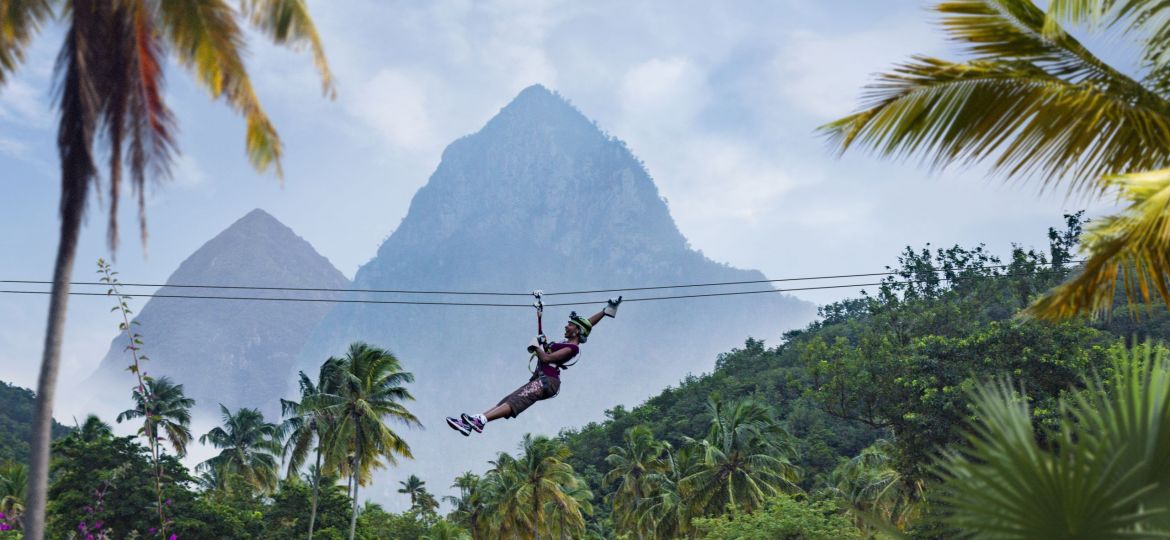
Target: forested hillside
[16,408]
[883,379]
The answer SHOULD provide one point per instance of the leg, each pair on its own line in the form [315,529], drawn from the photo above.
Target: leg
[499,411]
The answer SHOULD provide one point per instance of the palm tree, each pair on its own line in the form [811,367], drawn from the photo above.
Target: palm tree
[306,426]
[425,503]
[109,77]
[634,468]
[744,459]
[444,530]
[871,486]
[93,429]
[568,513]
[469,504]
[164,406]
[413,486]
[13,489]
[248,449]
[505,516]
[1108,476]
[546,479]
[665,514]
[161,404]
[369,392]
[1035,103]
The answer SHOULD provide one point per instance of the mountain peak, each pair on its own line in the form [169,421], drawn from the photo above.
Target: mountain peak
[535,106]
[197,342]
[256,217]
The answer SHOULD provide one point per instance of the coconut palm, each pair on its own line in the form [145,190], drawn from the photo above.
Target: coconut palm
[634,467]
[444,530]
[369,392]
[163,409]
[109,82]
[546,478]
[412,486]
[1108,476]
[93,429]
[664,513]
[871,486]
[426,503]
[307,426]
[502,484]
[13,488]
[566,515]
[468,506]
[744,459]
[1034,103]
[249,447]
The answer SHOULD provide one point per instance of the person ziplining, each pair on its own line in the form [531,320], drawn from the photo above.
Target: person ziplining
[551,359]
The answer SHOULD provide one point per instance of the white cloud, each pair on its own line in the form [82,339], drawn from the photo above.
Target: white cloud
[187,174]
[661,93]
[823,74]
[396,105]
[14,148]
[21,103]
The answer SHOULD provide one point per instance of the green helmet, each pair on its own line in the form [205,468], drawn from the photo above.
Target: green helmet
[583,324]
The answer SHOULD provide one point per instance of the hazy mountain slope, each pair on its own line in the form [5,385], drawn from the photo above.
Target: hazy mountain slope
[541,198]
[239,353]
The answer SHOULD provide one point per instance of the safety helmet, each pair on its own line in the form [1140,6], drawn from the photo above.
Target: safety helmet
[583,324]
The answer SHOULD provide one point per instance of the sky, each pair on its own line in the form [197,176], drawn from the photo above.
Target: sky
[721,100]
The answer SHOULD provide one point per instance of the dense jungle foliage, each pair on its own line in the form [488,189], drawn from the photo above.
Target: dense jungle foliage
[843,429]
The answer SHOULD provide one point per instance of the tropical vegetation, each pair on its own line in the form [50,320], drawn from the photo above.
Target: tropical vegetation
[111,104]
[831,433]
[965,395]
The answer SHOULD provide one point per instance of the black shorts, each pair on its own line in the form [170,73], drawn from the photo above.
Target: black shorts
[535,390]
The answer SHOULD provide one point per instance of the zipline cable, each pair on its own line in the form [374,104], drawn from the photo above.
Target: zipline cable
[563,304]
[479,293]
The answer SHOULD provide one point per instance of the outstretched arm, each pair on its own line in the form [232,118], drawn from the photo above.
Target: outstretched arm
[609,309]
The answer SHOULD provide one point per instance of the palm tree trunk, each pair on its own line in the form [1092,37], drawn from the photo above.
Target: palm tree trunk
[354,471]
[535,514]
[38,477]
[316,487]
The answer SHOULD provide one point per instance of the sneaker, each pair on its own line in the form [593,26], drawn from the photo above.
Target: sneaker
[476,422]
[459,425]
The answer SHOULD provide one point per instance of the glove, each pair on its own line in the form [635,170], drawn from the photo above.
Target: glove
[611,306]
[538,342]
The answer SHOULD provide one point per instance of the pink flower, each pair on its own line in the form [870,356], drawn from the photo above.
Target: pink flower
[174,537]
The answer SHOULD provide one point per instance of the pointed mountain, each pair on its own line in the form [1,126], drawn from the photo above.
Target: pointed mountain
[239,353]
[540,198]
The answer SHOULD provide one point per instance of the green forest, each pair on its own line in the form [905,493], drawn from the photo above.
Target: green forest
[888,416]
[970,393]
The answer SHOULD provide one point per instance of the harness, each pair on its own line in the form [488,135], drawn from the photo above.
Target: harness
[543,341]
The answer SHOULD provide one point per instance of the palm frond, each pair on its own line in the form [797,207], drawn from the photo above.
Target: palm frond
[1029,104]
[80,104]
[288,22]
[1006,485]
[19,21]
[1151,20]
[205,36]
[1132,247]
